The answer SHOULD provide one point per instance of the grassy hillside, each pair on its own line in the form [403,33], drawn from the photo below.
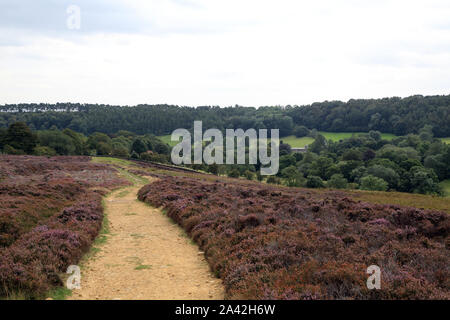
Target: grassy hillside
[166,139]
[295,142]
[335,136]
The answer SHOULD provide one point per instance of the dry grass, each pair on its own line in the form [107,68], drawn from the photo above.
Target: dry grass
[403,199]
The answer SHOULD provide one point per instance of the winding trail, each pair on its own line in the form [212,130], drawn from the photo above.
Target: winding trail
[145,256]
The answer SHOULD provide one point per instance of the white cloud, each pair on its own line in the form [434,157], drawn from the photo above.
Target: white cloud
[212,52]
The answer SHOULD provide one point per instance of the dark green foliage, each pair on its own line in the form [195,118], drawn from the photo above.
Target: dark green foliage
[273,180]
[438,164]
[138,146]
[2,137]
[120,151]
[249,175]
[134,155]
[368,155]
[318,145]
[104,149]
[373,183]
[58,141]
[78,141]
[301,131]
[214,169]
[259,176]
[357,174]
[337,181]
[287,161]
[323,167]
[394,115]
[99,143]
[234,173]
[7,149]
[20,137]
[162,148]
[352,154]
[424,180]
[293,177]
[314,182]
[285,149]
[44,151]
[409,163]
[390,115]
[387,174]
[375,135]
[154,157]
[347,167]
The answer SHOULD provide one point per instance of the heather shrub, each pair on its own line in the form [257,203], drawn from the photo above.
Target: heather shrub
[50,216]
[271,242]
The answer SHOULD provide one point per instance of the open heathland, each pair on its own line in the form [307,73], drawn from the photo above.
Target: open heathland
[264,241]
[268,242]
[51,212]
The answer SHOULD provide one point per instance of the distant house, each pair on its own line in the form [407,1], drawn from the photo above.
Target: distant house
[300,150]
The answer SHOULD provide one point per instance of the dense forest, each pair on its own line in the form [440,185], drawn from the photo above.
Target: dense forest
[399,116]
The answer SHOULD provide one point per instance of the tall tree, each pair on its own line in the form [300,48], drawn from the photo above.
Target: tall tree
[19,136]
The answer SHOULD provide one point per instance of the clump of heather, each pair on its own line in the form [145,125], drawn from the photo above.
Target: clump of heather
[51,213]
[268,242]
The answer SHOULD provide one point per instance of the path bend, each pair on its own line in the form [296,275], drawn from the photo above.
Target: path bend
[145,256]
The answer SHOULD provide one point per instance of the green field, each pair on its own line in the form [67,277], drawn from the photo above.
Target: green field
[446,187]
[336,136]
[292,140]
[166,139]
[295,142]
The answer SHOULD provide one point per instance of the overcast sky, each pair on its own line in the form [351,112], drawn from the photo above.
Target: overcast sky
[222,52]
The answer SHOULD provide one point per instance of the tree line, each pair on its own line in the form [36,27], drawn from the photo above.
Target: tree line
[19,139]
[400,116]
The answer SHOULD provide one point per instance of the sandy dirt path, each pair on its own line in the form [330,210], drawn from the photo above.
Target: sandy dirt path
[146,256]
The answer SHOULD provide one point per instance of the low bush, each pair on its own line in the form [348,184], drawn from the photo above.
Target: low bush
[270,242]
[51,213]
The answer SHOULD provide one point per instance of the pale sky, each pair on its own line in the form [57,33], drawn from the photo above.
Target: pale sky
[227,52]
